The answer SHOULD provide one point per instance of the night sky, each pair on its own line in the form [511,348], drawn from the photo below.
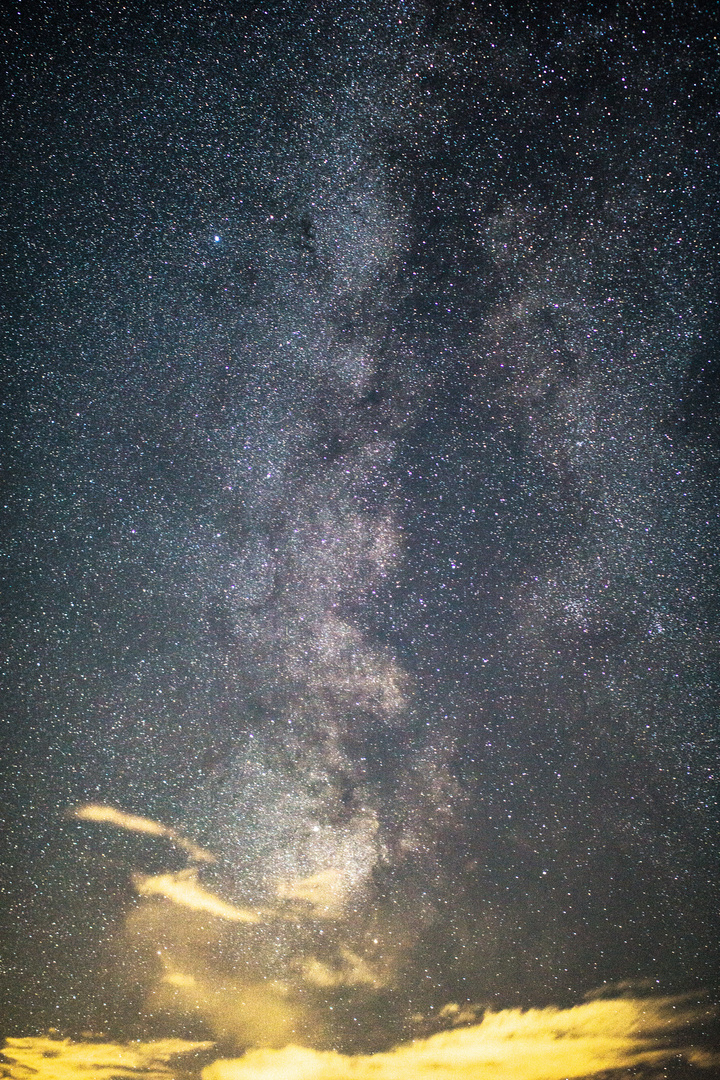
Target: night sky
[361,482]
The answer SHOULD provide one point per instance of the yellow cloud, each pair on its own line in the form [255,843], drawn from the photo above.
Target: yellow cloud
[351,970]
[597,1038]
[43,1058]
[180,980]
[184,889]
[325,891]
[110,816]
[540,1044]
[251,1013]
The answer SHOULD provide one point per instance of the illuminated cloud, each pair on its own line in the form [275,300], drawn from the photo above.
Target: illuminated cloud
[325,891]
[110,816]
[180,981]
[184,889]
[272,998]
[251,1013]
[590,1040]
[45,1058]
[350,970]
[540,1044]
[323,895]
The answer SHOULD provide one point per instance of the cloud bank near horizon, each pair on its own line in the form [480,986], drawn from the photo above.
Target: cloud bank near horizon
[601,1037]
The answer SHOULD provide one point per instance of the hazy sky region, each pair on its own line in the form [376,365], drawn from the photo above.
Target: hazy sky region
[361,540]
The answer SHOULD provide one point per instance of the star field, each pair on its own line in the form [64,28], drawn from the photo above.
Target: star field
[360,515]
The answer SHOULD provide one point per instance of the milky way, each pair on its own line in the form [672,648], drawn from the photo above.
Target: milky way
[361,522]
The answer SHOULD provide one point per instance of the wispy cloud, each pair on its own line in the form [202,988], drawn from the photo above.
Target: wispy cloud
[45,1058]
[277,994]
[324,892]
[540,1044]
[600,1038]
[349,970]
[109,815]
[184,889]
[248,1012]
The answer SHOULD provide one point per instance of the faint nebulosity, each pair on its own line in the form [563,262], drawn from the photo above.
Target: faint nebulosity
[360,522]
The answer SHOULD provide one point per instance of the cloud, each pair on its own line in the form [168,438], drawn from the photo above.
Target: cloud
[322,894]
[258,1012]
[540,1044]
[598,1038]
[45,1058]
[225,970]
[184,889]
[273,995]
[349,970]
[325,891]
[134,823]
[242,999]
